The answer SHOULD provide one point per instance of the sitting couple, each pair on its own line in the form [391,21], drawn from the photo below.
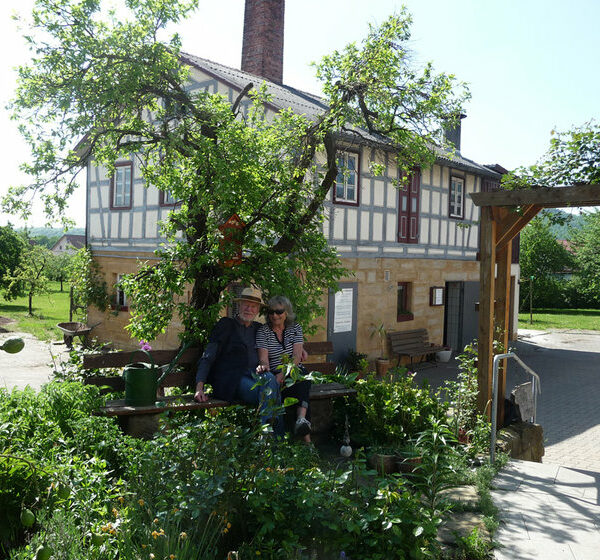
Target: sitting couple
[240,350]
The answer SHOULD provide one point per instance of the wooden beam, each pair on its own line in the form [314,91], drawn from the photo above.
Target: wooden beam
[546,197]
[512,224]
[502,318]
[485,347]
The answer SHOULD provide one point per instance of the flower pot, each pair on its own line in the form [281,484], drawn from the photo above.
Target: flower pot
[407,464]
[382,463]
[443,355]
[382,365]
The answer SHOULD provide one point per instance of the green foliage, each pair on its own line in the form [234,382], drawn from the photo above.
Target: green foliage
[388,414]
[89,286]
[571,159]
[473,547]
[586,244]
[131,96]
[60,267]
[542,257]
[12,245]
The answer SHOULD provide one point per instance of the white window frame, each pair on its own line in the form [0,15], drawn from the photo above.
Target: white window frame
[456,197]
[343,181]
[122,185]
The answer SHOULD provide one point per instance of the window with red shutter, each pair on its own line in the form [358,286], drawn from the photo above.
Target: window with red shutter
[408,209]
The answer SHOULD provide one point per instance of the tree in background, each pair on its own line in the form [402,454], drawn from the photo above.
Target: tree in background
[572,159]
[585,288]
[60,266]
[30,278]
[12,246]
[544,258]
[116,83]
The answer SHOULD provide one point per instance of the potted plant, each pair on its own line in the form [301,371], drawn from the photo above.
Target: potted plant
[444,355]
[382,364]
[382,459]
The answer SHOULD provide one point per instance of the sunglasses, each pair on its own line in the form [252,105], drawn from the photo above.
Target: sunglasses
[276,311]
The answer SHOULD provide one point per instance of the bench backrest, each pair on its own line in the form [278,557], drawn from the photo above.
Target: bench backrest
[403,341]
[186,372]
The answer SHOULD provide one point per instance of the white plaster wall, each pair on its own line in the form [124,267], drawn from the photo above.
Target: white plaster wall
[364,225]
[338,223]
[391,228]
[378,188]
[351,224]
[377,226]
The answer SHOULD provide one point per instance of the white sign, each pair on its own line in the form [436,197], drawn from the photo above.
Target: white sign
[342,319]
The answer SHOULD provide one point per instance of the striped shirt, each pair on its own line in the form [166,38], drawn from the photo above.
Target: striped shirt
[266,338]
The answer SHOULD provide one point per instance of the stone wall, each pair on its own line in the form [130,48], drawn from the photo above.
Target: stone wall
[522,440]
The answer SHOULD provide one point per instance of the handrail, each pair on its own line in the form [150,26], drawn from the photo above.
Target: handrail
[535,390]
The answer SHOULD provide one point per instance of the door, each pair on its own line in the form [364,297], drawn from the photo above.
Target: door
[341,320]
[461,319]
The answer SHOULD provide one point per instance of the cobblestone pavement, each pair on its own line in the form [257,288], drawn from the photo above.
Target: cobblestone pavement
[568,363]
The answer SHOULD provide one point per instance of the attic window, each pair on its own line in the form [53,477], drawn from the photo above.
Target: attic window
[346,182]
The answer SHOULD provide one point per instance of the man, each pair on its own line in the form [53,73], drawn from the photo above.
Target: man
[230,362]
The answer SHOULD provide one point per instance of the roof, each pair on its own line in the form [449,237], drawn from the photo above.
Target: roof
[76,241]
[283,96]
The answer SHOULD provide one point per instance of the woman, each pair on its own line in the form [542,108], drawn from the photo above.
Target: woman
[282,335]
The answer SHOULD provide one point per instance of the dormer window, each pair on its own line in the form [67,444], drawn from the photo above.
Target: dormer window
[346,182]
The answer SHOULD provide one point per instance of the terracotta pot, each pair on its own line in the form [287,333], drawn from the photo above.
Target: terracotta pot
[382,365]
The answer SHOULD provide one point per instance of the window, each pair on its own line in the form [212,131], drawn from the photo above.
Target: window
[408,209]
[120,299]
[167,199]
[403,304]
[346,182]
[121,185]
[457,197]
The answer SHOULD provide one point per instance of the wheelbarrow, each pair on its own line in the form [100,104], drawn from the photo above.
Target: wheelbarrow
[73,329]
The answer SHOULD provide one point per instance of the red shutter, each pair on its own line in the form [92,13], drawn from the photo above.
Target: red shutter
[408,210]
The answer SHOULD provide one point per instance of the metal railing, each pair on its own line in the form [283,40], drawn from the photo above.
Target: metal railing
[535,390]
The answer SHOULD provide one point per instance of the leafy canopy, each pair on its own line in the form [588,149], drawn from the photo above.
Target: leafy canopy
[572,159]
[121,86]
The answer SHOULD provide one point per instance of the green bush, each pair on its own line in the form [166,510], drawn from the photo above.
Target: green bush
[388,414]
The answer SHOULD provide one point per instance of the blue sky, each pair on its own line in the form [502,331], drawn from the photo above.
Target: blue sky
[532,65]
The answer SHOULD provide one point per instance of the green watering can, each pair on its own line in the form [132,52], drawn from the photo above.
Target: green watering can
[143,379]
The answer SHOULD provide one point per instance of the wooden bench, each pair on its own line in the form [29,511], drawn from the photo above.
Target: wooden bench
[414,344]
[143,421]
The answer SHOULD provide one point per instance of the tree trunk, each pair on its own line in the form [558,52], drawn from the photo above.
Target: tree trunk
[30,303]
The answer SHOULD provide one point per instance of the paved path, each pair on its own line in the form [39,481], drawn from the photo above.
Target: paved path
[31,366]
[547,512]
[551,510]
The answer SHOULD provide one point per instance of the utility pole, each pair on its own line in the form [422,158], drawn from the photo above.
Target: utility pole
[531,299]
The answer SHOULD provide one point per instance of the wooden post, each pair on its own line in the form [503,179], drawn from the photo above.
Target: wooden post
[485,346]
[502,317]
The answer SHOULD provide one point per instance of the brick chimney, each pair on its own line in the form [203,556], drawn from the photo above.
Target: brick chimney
[262,49]
[452,132]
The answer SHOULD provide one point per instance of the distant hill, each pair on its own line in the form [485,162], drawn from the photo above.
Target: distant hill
[563,230]
[51,232]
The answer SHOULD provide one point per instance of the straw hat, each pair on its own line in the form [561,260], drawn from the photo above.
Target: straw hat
[250,294]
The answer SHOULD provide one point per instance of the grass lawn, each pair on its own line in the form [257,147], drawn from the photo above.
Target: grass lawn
[585,319]
[48,309]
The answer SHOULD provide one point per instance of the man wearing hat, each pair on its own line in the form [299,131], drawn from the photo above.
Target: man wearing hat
[230,361]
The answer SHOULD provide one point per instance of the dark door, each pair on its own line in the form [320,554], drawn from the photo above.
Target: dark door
[461,319]
[341,319]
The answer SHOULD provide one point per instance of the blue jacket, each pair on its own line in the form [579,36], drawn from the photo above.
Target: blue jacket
[225,359]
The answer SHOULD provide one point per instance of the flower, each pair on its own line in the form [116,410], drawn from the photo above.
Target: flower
[121,499]
[141,502]
[145,346]
[183,535]
[172,556]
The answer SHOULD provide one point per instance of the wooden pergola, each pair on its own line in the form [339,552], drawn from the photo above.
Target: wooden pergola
[503,215]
